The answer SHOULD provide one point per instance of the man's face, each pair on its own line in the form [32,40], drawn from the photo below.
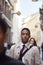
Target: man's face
[25,36]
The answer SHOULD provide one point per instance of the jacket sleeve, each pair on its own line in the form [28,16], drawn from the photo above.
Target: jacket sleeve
[37,56]
[11,51]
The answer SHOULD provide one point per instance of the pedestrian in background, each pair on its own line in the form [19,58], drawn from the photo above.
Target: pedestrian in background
[33,41]
[42,50]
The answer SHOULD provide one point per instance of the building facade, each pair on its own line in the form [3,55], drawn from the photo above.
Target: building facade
[34,25]
[5,10]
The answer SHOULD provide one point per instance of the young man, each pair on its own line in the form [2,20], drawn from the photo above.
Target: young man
[4,59]
[31,56]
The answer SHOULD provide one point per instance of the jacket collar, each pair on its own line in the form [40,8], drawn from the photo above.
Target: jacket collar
[27,45]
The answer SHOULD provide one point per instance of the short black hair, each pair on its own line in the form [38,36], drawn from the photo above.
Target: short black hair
[25,29]
[3,25]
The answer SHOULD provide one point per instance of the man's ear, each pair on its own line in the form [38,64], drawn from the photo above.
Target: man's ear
[6,36]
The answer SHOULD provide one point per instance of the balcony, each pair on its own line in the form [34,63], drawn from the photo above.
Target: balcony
[5,9]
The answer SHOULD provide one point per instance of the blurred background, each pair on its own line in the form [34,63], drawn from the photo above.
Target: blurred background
[20,14]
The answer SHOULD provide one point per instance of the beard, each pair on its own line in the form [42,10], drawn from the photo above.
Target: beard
[24,41]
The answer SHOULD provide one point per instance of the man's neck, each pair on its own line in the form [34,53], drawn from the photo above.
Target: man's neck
[24,42]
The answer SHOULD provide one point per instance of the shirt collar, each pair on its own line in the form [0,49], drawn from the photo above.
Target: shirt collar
[26,45]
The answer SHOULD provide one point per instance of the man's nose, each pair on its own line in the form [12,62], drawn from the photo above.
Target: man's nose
[25,35]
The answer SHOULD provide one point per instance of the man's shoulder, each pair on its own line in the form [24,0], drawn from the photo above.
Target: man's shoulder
[13,46]
[11,61]
[35,49]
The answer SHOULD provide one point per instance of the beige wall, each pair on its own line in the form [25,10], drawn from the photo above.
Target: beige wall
[34,25]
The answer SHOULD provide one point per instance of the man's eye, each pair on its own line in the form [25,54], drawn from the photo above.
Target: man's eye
[23,34]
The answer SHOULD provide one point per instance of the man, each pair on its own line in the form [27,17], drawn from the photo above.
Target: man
[28,54]
[4,59]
